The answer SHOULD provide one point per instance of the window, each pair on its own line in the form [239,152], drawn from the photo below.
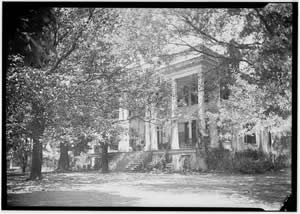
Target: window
[187,133]
[114,145]
[183,96]
[250,139]
[194,132]
[187,91]
[115,114]
[206,96]
[194,94]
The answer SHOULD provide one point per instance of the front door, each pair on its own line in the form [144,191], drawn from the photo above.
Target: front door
[187,134]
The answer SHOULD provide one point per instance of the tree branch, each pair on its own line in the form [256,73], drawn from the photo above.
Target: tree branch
[73,46]
[211,55]
[270,31]
[237,45]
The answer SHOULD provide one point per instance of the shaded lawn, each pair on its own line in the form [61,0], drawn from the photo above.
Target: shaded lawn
[266,191]
[68,198]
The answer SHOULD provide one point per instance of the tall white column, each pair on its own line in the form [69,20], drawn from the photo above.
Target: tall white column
[120,114]
[147,132]
[125,113]
[174,137]
[190,122]
[257,137]
[213,123]
[174,123]
[174,97]
[124,142]
[201,104]
[153,128]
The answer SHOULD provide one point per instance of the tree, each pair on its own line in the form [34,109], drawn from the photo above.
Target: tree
[25,48]
[69,63]
[90,83]
[38,77]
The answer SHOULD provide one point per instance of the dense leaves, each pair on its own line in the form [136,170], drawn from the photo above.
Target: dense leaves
[71,69]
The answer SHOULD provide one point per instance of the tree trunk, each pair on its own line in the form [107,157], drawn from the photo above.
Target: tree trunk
[63,163]
[23,169]
[37,130]
[201,149]
[201,153]
[37,154]
[24,162]
[104,158]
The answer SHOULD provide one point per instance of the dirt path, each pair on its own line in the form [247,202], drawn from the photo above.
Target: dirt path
[143,189]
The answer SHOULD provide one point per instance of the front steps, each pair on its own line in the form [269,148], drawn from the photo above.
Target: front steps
[135,166]
[129,161]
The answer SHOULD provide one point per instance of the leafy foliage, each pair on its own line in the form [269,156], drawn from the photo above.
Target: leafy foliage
[70,69]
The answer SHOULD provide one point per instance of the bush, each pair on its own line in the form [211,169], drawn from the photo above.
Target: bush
[219,159]
[248,161]
[159,163]
[282,161]
[252,161]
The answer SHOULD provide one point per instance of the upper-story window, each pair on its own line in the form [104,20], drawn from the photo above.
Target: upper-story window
[194,94]
[187,91]
[250,139]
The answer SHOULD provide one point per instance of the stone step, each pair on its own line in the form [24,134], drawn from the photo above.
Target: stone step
[186,146]
[134,165]
[136,162]
[132,169]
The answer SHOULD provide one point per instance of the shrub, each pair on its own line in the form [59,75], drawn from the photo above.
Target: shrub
[282,161]
[248,161]
[219,159]
[252,161]
[159,163]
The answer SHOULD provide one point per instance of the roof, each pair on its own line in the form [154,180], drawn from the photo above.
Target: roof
[190,57]
[184,57]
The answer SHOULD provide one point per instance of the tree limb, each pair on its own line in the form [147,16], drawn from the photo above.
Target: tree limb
[73,46]
[238,46]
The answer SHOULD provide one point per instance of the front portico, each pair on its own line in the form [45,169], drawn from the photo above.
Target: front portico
[189,103]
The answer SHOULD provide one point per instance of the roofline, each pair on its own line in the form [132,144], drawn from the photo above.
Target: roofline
[187,63]
[202,59]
